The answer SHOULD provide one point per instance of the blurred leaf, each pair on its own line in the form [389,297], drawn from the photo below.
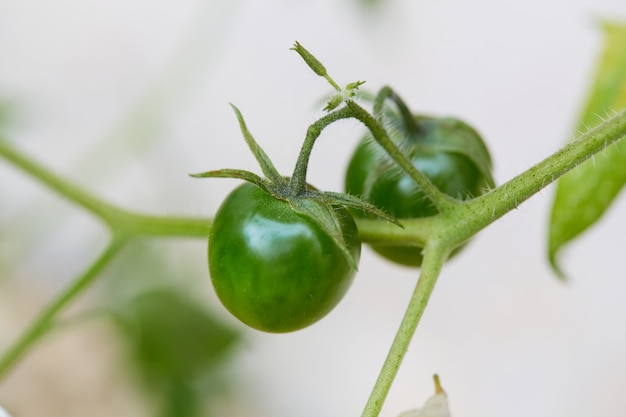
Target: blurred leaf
[181,401]
[173,337]
[174,344]
[584,194]
[176,349]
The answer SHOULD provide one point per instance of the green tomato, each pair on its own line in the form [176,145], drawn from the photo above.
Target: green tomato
[437,151]
[274,269]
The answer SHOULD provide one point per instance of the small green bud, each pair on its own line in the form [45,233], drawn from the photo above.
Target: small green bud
[310,60]
[334,102]
[354,86]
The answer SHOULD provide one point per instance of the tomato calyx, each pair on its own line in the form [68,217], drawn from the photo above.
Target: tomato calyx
[318,206]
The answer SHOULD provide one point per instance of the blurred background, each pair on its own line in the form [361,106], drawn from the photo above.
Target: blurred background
[127,98]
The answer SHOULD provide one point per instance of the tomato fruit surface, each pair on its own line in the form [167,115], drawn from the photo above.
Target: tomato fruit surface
[274,269]
[373,176]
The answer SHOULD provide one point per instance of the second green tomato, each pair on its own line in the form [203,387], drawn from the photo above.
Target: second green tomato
[447,151]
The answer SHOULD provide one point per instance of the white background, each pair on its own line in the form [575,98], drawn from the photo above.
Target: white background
[505,336]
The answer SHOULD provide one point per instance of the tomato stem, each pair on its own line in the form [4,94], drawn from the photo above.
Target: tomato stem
[297,184]
[118,219]
[470,217]
[99,207]
[407,117]
[44,321]
[467,219]
[435,255]
[440,200]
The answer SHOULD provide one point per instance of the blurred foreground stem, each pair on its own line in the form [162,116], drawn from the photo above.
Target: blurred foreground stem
[45,320]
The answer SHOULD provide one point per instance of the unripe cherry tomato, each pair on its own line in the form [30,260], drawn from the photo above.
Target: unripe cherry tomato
[275,269]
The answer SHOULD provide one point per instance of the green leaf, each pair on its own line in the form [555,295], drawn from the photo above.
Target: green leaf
[176,350]
[174,344]
[175,347]
[584,194]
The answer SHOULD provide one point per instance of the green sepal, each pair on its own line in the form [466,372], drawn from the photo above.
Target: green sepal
[321,211]
[334,102]
[275,184]
[264,161]
[351,87]
[278,190]
[232,173]
[358,203]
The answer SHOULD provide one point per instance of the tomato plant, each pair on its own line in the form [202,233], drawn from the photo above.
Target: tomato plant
[282,253]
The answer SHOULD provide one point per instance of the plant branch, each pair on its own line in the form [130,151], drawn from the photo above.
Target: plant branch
[352,110]
[415,232]
[434,257]
[119,220]
[70,191]
[135,224]
[468,218]
[297,185]
[43,322]
[407,117]
[440,200]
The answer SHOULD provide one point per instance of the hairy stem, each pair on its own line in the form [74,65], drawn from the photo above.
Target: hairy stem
[407,117]
[42,323]
[434,257]
[297,185]
[440,200]
[352,110]
[468,218]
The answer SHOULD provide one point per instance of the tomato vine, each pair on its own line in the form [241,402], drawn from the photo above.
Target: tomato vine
[456,221]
